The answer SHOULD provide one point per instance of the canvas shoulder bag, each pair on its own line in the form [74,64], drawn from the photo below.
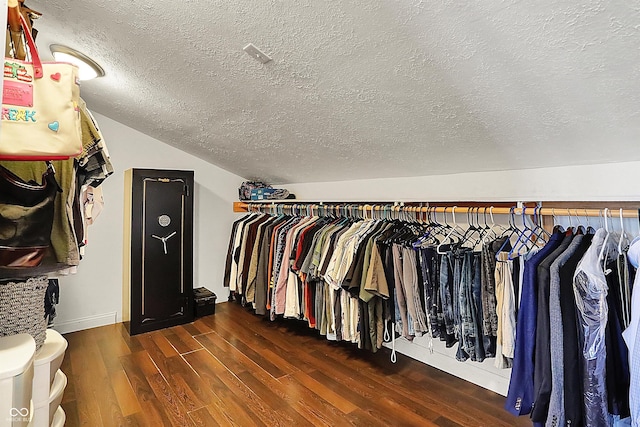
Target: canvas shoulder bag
[40,116]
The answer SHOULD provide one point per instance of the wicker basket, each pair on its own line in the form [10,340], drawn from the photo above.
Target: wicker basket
[22,308]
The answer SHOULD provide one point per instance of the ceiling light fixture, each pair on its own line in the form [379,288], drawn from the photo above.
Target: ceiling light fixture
[89,69]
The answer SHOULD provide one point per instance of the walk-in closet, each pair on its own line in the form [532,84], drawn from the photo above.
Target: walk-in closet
[327,213]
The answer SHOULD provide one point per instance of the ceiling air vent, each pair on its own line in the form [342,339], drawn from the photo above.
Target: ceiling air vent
[256,53]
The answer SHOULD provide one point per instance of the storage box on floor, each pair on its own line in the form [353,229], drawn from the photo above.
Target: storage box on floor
[16,379]
[49,381]
[205,302]
[33,381]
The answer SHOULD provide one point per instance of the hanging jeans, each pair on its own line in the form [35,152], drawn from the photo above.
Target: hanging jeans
[446,296]
[465,302]
[461,279]
[475,304]
[470,300]
[430,276]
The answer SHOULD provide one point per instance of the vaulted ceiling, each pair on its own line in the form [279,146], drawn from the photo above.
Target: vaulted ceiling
[365,88]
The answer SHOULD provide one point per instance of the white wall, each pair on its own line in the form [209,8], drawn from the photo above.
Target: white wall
[614,181]
[93,296]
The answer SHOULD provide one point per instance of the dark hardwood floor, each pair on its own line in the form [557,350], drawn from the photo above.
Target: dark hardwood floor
[234,368]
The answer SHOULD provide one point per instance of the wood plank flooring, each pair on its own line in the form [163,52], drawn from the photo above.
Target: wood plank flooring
[235,368]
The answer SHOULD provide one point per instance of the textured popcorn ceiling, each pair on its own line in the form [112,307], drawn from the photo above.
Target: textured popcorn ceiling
[365,88]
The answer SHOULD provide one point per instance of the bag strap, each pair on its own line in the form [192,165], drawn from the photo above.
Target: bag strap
[35,57]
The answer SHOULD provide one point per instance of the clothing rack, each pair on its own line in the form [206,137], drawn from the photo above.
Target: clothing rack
[587,209]
[422,346]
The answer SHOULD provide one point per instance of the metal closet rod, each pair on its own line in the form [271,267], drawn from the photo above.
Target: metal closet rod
[401,207]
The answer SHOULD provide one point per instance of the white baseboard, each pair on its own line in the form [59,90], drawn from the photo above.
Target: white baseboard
[483,374]
[85,323]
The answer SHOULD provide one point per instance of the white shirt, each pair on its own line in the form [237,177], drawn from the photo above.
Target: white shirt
[631,336]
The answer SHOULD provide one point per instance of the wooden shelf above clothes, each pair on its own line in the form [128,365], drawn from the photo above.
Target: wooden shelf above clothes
[576,209]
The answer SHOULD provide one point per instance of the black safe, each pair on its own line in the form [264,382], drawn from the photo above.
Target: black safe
[158,285]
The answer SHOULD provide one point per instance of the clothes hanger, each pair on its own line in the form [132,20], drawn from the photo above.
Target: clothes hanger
[435,225]
[375,212]
[482,230]
[623,283]
[600,217]
[511,230]
[425,232]
[556,227]
[622,235]
[604,244]
[580,228]
[590,229]
[417,214]
[446,227]
[570,227]
[469,232]
[390,217]
[412,229]
[387,213]
[542,235]
[478,231]
[433,228]
[422,215]
[489,233]
[454,229]
[501,228]
[523,240]
[531,242]
[406,214]
[397,227]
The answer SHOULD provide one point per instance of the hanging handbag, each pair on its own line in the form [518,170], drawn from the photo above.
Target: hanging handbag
[40,115]
[26,218]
